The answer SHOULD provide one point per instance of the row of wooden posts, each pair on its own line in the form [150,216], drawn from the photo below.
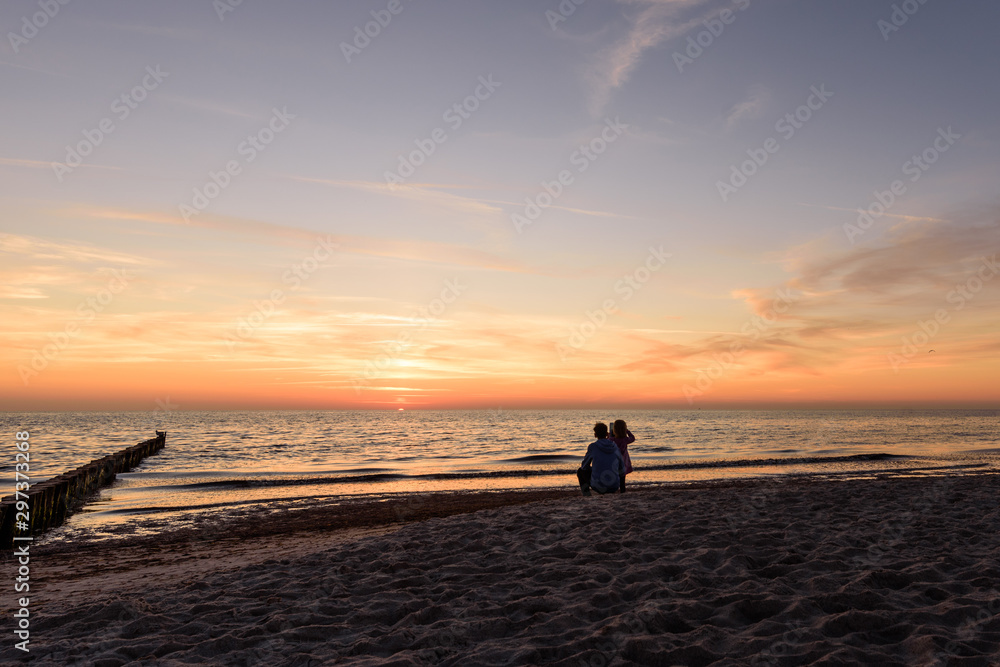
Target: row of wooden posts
[51,501]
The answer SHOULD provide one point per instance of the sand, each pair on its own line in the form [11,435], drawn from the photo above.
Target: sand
[889,572]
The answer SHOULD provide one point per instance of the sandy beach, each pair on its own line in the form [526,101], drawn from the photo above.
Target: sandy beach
[889,572]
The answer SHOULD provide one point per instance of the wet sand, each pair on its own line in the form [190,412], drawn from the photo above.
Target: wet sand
[893,572]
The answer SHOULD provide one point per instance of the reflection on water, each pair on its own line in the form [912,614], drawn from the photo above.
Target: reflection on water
[223,461]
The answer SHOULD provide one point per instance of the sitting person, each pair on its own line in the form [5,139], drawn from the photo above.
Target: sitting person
[603,468]
[623,438]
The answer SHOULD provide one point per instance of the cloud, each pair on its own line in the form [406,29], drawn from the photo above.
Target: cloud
[905,218]
[847,310]
[39,70]
[751,107]
[430,193]
[18,292]
[169,32]
[402,249]
[29,164]
[210,106]
[914,258]
[38,164]
[423,193]
[35,248]
[656,22]
[581,211]
[35,268]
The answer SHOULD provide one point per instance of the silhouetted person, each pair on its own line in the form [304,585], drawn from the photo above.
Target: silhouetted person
[603,468]
[623,438]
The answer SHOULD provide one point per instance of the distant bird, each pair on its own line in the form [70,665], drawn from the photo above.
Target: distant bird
[929,351]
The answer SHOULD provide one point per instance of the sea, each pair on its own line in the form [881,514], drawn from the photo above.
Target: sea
[245,461]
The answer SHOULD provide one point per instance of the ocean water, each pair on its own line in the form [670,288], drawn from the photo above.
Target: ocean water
[218,461]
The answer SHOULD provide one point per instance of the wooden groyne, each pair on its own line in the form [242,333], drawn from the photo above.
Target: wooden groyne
[53,500]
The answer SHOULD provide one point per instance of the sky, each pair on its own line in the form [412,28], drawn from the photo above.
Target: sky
[477,204]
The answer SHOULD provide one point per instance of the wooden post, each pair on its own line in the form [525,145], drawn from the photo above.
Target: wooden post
[53,500]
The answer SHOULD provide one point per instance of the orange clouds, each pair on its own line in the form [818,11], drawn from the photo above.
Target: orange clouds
[823,337]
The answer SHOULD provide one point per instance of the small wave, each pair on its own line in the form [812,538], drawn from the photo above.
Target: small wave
[541,458]
[227,504]
[368,475]
[798,460]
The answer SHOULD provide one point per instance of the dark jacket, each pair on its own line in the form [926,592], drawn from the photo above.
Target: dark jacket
[608,465]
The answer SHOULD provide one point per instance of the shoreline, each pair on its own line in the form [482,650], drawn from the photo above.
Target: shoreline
[331,513]
[903,569]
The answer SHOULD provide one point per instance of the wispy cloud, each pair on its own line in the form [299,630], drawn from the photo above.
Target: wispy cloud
[914,258]
[38,164]
[581,211]
[19,292]
[209,106]
[907,218]
[751,107]
[401,249]
[433,194]
[35,248]
[28,164]
[656,22]
[422,193]
[848,309]
[181,34]
[40,70]
[34,268]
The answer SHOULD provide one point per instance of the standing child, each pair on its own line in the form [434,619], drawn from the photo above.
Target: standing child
[623,438]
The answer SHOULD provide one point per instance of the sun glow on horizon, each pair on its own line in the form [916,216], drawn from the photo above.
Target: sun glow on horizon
[538,227]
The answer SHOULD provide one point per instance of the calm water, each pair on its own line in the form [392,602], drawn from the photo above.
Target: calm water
[217,461]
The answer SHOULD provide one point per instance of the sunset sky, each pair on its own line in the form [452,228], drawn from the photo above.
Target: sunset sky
[486,204]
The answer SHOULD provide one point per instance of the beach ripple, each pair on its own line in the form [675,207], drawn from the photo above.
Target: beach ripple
[889,572]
